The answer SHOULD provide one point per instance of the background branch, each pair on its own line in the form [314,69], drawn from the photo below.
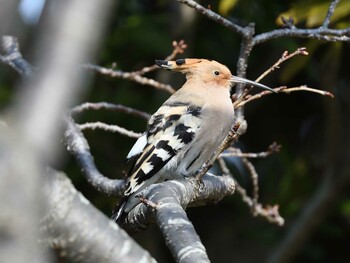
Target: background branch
[330,13]
[330,35]
[109,106]
[215,17]
[129,76]
[80,232]
[79,148]
[270,213]
[13,57]
[109,128]
[30,142]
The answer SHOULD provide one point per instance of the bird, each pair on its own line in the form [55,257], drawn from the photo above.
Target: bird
[185,131]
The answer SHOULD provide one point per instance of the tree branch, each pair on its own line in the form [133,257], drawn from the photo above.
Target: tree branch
[129,76]
[230,138]
[312,215]
[329,35]
[178,48]
[270,213]
[285,56]
[109,128]
[109,106]
[330,12]
[235,152]
[13,57]
[31,141]
[246,48]
[283,89]
[80,232]
[166,202]
[79,148]
[191,192]
[215,17]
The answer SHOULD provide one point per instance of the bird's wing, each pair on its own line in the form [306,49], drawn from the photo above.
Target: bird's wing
[138,147]
[169,130]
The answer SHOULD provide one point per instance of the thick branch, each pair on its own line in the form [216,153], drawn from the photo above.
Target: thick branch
[80,232]
[78,146]
[33,119]
[325,34]
[13,57]
[190,192]
[165,206]
[246,48]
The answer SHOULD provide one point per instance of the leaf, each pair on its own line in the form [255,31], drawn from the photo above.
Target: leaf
[225,6]
[314,13]
[345,208]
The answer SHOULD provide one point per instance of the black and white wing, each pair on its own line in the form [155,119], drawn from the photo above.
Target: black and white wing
[170,130]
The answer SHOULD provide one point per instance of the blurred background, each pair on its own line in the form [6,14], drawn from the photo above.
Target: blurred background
[308,178]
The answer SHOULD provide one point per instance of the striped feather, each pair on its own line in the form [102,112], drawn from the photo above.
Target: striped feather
[170,129]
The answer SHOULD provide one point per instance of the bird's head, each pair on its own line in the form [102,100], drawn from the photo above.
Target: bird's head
[208,71]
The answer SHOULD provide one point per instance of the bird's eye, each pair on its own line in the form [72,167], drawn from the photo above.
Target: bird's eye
[216,73]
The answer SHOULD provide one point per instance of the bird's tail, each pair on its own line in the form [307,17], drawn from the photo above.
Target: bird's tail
[119,209]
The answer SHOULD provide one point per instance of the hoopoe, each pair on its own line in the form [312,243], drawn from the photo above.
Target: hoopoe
[185,131]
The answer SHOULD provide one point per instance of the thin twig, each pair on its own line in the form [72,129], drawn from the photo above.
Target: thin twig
[305,88]
[235,152]
[178,48]
[285,56]
[270,213]
[254,176]
[246,199]
[109,106]
[282,89]
[109,128]
[214,16]
[129,76]
[330,12]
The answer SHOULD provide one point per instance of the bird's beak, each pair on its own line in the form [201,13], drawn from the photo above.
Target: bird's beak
[236,79]
[179,64]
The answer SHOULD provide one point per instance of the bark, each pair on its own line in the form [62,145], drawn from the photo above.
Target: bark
[80,232]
